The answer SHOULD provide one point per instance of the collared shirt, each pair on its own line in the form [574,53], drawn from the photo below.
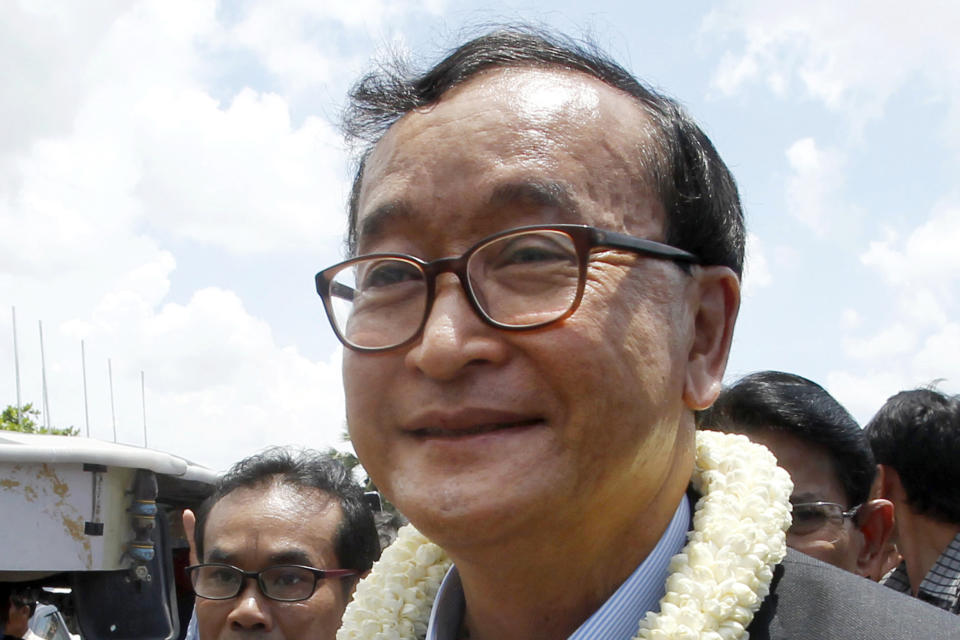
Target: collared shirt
[617,619]
[941,585]
[192,632]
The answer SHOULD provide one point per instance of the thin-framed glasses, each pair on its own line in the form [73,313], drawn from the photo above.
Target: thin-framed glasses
[519,279]
[820,520]
[285,582]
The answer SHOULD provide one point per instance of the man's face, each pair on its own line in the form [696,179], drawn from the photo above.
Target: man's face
[475,432]
[814,480]
[18,621]
[256,528]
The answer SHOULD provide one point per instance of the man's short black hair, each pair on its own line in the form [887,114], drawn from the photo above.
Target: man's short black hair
[18,597]
[24,598]
[917,433]
[788,403]
[698,193]
[357,545]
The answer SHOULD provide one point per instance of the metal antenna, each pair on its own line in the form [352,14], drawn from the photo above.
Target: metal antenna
[43,377]
[113,414]
[143,400]
[16,367]
[83,368]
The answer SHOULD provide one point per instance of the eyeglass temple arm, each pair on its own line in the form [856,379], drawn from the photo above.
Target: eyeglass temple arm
[340,290]
[852,513]
[616,240]
[337,573]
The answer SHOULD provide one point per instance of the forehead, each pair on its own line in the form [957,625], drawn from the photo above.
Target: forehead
[270,520]
[810,466]
[539,139]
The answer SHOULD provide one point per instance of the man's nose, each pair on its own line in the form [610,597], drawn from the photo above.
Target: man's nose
[252,610]
[454,336]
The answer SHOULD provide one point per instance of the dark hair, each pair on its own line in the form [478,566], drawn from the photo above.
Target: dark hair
[695,187]
[918,434]
[20,598]
[788,403]
[357,545]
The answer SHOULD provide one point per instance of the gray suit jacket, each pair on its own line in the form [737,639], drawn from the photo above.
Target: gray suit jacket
[811,600]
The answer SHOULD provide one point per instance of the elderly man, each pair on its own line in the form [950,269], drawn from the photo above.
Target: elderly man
[543,290]
[828,458]
[282,542]
[916,439]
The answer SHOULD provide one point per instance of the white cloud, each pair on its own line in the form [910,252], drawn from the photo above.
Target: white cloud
[813,190]
[863,393]
[291,37]
[916,339]
[218,386]
[46,50]
[892,341]
[927,256]
[938,356]
[156,149]
[850,319]
[851,56]
[756,273]
[240,177]
[129,145]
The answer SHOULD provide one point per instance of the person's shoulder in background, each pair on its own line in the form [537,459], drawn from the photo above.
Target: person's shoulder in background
[811,599]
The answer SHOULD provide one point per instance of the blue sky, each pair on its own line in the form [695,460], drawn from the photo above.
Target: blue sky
[171,178]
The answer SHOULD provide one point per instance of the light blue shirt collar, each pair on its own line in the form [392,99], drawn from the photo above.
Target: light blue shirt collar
[620,615]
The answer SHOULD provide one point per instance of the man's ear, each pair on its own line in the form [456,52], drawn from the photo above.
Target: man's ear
[875,522]
[354,581]
[189,526]
[717,303]
[877,488]
[891,487]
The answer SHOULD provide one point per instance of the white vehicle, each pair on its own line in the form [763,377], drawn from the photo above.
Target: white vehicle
[99,524]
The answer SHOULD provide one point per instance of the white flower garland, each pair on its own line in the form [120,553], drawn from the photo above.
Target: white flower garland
[717,582]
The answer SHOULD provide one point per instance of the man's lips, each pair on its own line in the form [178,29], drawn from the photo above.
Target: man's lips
[464,423]
[460,432]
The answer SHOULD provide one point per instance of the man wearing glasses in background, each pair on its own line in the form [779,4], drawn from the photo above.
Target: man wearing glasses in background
[544,282]
[282,542]
[828,458]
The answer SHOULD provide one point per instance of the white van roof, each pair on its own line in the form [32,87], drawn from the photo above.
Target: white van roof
[18,447]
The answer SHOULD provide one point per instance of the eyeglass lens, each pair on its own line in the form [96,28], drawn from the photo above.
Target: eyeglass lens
[523,279]
[809,519]
[279,583]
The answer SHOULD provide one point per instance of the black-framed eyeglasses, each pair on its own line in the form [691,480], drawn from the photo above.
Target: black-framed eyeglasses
[285,582]
[519,279]
[820,520]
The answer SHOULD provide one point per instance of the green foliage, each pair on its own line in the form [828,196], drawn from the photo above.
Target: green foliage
[390,518]
[24,421]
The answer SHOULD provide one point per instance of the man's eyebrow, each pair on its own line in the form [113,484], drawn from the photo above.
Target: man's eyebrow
[798,498]
[372,224]
[292,556]
[218,555]
[544,193]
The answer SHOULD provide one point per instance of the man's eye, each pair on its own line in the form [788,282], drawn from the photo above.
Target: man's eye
[807,514]
[286,578]
[531,254]
[807,520]
[389,272]
[222,576]
[531,251]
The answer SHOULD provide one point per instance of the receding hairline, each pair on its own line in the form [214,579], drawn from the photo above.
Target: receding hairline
[309,497]
[647,150]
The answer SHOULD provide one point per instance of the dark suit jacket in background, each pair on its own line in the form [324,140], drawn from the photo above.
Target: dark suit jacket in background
[811,600]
